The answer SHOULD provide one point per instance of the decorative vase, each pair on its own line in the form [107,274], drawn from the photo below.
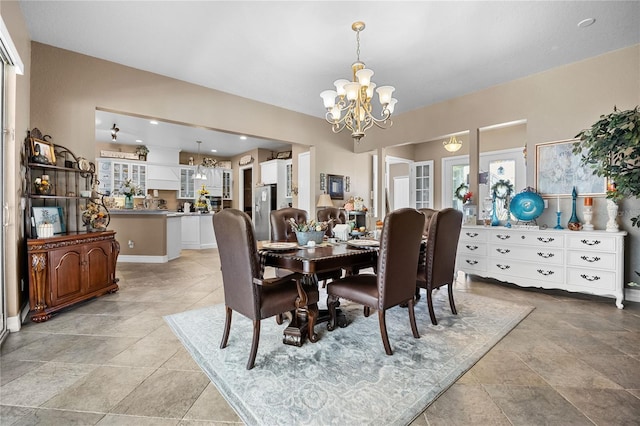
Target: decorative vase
[494,214]
[128,201]
[612,212]
[305,237]
[574,223]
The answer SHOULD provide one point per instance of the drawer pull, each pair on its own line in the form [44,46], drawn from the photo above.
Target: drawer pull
[503,251]
[472,247]
[590,277]
[590,242]
[471,262]
[590,259]
[545,255]
[546,240]
[545,273]
[503,267]
[471,234]
[503,237]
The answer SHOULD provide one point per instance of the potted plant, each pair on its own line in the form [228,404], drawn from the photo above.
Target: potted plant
[612,148]
[142,152]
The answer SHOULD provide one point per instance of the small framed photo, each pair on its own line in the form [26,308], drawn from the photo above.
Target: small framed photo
[336,187]
[42,152]
[284,155]
[52,215]
[558,171]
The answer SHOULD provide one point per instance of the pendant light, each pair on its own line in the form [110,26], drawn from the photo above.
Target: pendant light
[199,174]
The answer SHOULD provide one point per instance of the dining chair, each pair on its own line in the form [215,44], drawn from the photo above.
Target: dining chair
[394,282]
[334,216]
[245,289]
[281,226]
[438,268]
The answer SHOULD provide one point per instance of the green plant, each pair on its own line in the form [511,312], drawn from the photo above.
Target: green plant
[142,150]
[612,148]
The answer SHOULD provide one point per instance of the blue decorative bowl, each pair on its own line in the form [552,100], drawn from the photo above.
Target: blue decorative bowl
[305,237]
[527,205]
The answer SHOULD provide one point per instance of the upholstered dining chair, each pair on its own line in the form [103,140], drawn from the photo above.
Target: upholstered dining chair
[280,225]
[441,247]
[334,216]
[394,282]
[245,290]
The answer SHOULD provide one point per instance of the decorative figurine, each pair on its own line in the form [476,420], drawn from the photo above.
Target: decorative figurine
[587,212]
[574,223]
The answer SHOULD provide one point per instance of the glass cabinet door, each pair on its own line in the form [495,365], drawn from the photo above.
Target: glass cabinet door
[422,184]
[186,184]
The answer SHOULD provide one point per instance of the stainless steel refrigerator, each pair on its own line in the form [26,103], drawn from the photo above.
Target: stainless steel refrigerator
[264,200]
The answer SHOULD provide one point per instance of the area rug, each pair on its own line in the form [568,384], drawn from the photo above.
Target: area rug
[346,377]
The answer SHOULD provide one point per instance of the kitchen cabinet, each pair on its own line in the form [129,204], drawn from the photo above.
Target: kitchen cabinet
[276,172]
[112,175]
[227,184]
[585,261]
[197,232]
[187,184]
[163,177]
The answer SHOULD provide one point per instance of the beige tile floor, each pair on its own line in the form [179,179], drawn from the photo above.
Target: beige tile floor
[113,361]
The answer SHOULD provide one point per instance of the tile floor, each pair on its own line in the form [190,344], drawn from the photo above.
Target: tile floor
[113,361]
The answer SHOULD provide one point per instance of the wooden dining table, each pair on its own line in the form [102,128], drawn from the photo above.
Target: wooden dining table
[309,261]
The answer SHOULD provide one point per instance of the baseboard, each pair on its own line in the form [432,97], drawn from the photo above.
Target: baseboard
[142,259]
[15,323]
[632,294]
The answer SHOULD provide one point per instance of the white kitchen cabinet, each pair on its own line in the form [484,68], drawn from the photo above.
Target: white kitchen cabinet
[276,172]
[187,184]
[227,184]
[197,232]
[579,261]
[174,236]
[163,177]
[112,175]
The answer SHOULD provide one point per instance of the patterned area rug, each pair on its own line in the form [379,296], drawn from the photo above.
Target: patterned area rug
[346,377]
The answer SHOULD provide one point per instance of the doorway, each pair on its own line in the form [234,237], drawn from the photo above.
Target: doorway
[246,190]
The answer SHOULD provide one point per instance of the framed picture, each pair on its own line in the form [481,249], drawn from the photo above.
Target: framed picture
[558,171]
[52,215]
[336,187]
[42,152]
[284,155]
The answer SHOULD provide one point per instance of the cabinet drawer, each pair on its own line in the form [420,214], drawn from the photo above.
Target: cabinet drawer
[540,255]
[591,242]
[470,263]
[591,259]
[529,239]
[472,248]
[603,280]
[538,271]
[473,234]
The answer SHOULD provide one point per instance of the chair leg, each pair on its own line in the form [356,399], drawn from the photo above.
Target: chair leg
[412,319]
[279,319]
[432,314]
[383,331]
[227,327]
[453,305]
[417,293]
[254,344]
[312,317]
[332,302]
[367,311]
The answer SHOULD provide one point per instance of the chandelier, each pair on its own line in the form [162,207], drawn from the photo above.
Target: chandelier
[352,108]
[452,145]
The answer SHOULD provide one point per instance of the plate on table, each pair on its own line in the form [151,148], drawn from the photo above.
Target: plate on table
[278,246]
[363,243]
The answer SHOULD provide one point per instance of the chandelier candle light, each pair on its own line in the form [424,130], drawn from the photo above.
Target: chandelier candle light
[353,108]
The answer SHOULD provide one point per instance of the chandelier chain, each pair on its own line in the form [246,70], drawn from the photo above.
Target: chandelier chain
[358,44]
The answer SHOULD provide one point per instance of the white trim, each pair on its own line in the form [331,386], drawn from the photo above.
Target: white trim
[15,323]
[5,40]
[241,169]
[632,294]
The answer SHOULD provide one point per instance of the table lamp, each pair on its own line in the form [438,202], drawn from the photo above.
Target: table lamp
[324,201]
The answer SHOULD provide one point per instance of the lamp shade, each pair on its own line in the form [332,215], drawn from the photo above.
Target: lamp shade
[324,201]
[452,145]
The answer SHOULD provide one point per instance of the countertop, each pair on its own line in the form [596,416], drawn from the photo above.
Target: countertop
[168,213]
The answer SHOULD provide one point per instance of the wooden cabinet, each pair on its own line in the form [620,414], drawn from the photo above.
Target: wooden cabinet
[68,269]
[580,261]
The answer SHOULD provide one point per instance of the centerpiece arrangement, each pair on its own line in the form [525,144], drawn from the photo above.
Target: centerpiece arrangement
[95,217]
[202,203]
[309,231]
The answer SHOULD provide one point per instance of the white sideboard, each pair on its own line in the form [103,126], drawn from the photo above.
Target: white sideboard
[579,261]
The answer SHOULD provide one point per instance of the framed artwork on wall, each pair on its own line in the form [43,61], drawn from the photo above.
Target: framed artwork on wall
[336,187]
[558,171]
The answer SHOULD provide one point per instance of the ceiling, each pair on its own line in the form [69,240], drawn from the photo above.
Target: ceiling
[285,53]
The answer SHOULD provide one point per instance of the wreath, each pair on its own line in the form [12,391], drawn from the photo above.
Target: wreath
[461,191]
[502,189]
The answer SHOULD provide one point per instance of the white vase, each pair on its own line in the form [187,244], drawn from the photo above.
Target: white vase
[612,212]
[587,213]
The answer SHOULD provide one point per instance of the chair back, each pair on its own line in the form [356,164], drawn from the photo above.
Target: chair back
[239,261]
[428,215]
[280,225]
[333,214]
[442,246]
[398,258]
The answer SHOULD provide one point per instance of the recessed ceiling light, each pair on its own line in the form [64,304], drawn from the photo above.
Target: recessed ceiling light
[586,22]
[153,122]
[244,138]
[139,140]
[214,150]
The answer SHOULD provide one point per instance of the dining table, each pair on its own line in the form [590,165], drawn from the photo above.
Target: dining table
[309,261]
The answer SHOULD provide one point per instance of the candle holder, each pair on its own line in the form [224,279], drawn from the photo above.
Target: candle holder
[558,226]
[587,212]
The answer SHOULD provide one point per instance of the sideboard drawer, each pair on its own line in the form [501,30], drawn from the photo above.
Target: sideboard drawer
[472,248]
[532,254]
[587,242]
[529,239]
[538,272]
[590,278]
[473,234]
[591,259]
[470,263]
